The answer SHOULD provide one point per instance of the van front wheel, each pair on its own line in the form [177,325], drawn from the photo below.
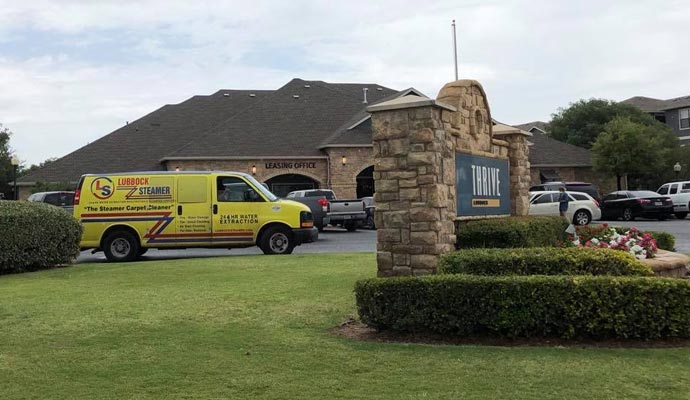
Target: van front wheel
[121,246]
[277,240]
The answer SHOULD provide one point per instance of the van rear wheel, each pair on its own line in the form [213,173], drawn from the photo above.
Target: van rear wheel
[121,246]
[277,240]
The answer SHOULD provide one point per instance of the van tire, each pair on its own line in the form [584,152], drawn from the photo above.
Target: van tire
[121,246]
[277,240]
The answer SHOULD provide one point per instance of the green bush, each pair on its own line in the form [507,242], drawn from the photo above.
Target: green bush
[36,236]
[600,307]
[543,261]
[511,232]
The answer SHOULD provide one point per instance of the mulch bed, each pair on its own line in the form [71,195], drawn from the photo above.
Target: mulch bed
[354,329]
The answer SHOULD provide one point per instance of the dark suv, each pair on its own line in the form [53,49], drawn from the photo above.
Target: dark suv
[584,187]
[63,199]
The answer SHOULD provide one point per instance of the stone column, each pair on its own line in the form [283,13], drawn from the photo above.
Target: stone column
[414,173]
[520,178]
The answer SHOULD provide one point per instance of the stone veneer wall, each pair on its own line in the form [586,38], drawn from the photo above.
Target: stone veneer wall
[414,171]
[415,141]
[471,126]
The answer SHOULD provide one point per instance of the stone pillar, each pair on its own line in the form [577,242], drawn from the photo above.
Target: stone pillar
[520,179]
[414,171]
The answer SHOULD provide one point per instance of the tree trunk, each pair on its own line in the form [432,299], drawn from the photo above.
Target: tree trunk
[618,181]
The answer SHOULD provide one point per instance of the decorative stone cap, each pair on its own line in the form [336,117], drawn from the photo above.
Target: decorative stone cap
[502,129]
[408,102]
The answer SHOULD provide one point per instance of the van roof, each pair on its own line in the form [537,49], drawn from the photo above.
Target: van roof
[169,173]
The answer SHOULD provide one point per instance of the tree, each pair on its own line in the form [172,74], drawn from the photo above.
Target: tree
[581,123]
[6,168]
[35,167]
[626,147]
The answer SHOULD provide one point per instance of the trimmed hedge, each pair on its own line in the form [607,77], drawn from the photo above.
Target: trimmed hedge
[36,236]
[511,232]
[543,261]
[600,307]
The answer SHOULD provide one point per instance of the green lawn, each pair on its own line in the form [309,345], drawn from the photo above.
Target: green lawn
[256,327]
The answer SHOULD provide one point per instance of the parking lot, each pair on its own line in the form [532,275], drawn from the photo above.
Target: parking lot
[332,240]
[336,240]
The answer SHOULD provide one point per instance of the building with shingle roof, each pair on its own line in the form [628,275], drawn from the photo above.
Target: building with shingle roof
[673,112]
[306,134]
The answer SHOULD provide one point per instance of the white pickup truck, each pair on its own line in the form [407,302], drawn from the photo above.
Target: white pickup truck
[679,192]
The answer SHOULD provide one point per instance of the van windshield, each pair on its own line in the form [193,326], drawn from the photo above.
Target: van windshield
[267,193]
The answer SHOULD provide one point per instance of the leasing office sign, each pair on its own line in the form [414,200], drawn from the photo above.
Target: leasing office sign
[483,185]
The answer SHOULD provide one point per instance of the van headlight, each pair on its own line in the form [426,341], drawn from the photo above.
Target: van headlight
[306,220]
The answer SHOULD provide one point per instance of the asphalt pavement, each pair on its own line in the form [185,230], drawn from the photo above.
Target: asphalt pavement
[336,240]
[331,240]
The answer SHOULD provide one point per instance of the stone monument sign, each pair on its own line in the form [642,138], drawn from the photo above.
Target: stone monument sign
[437,161]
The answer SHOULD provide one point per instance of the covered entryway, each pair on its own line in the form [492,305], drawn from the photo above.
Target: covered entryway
[281,185]
[365,183]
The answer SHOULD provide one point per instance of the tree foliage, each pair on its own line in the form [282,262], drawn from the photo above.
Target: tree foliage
[6,168]
[581,123]
[626,147]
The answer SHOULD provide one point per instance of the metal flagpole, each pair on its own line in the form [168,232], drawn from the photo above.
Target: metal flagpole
[455,52]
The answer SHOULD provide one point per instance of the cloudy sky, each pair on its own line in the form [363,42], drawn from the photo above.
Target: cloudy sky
[73,71]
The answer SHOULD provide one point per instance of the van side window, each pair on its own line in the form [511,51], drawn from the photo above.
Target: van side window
[233,189]
[673,189]
[663,190]
[685,188]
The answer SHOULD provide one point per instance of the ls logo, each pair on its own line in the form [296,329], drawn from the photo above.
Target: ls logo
[102,188]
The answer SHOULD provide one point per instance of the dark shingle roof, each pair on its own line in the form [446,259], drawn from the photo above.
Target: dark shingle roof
[294,120]
[226,123]
[546,151]
[649,104]
[540,125]
[142,143]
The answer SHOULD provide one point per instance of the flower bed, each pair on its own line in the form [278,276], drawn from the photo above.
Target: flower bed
[639,244]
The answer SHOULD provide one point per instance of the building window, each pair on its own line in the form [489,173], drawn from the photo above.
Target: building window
[684,118]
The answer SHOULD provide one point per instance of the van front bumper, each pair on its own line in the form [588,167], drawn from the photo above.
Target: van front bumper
[305,235]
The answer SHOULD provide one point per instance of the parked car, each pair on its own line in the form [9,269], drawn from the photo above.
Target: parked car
[370,208]
[346,213]
[679,192]
[317,202]
[584,187]
[630,204]
[62,199]
[582,208]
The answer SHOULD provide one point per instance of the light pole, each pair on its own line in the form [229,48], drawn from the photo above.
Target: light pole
[676,169]
[15,165]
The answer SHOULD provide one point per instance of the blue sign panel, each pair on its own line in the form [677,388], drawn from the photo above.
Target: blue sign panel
[483,185]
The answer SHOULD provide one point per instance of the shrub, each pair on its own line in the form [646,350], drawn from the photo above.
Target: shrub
[35,236]
[664,240]
[512,232]
[542,261]
[601,307]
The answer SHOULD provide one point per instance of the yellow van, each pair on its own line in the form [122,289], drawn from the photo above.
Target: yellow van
[125,214]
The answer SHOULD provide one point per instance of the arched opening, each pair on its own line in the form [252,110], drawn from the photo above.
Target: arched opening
[365,183]
[281,185]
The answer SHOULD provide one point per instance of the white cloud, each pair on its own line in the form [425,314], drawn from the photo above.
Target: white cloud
[94,65]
